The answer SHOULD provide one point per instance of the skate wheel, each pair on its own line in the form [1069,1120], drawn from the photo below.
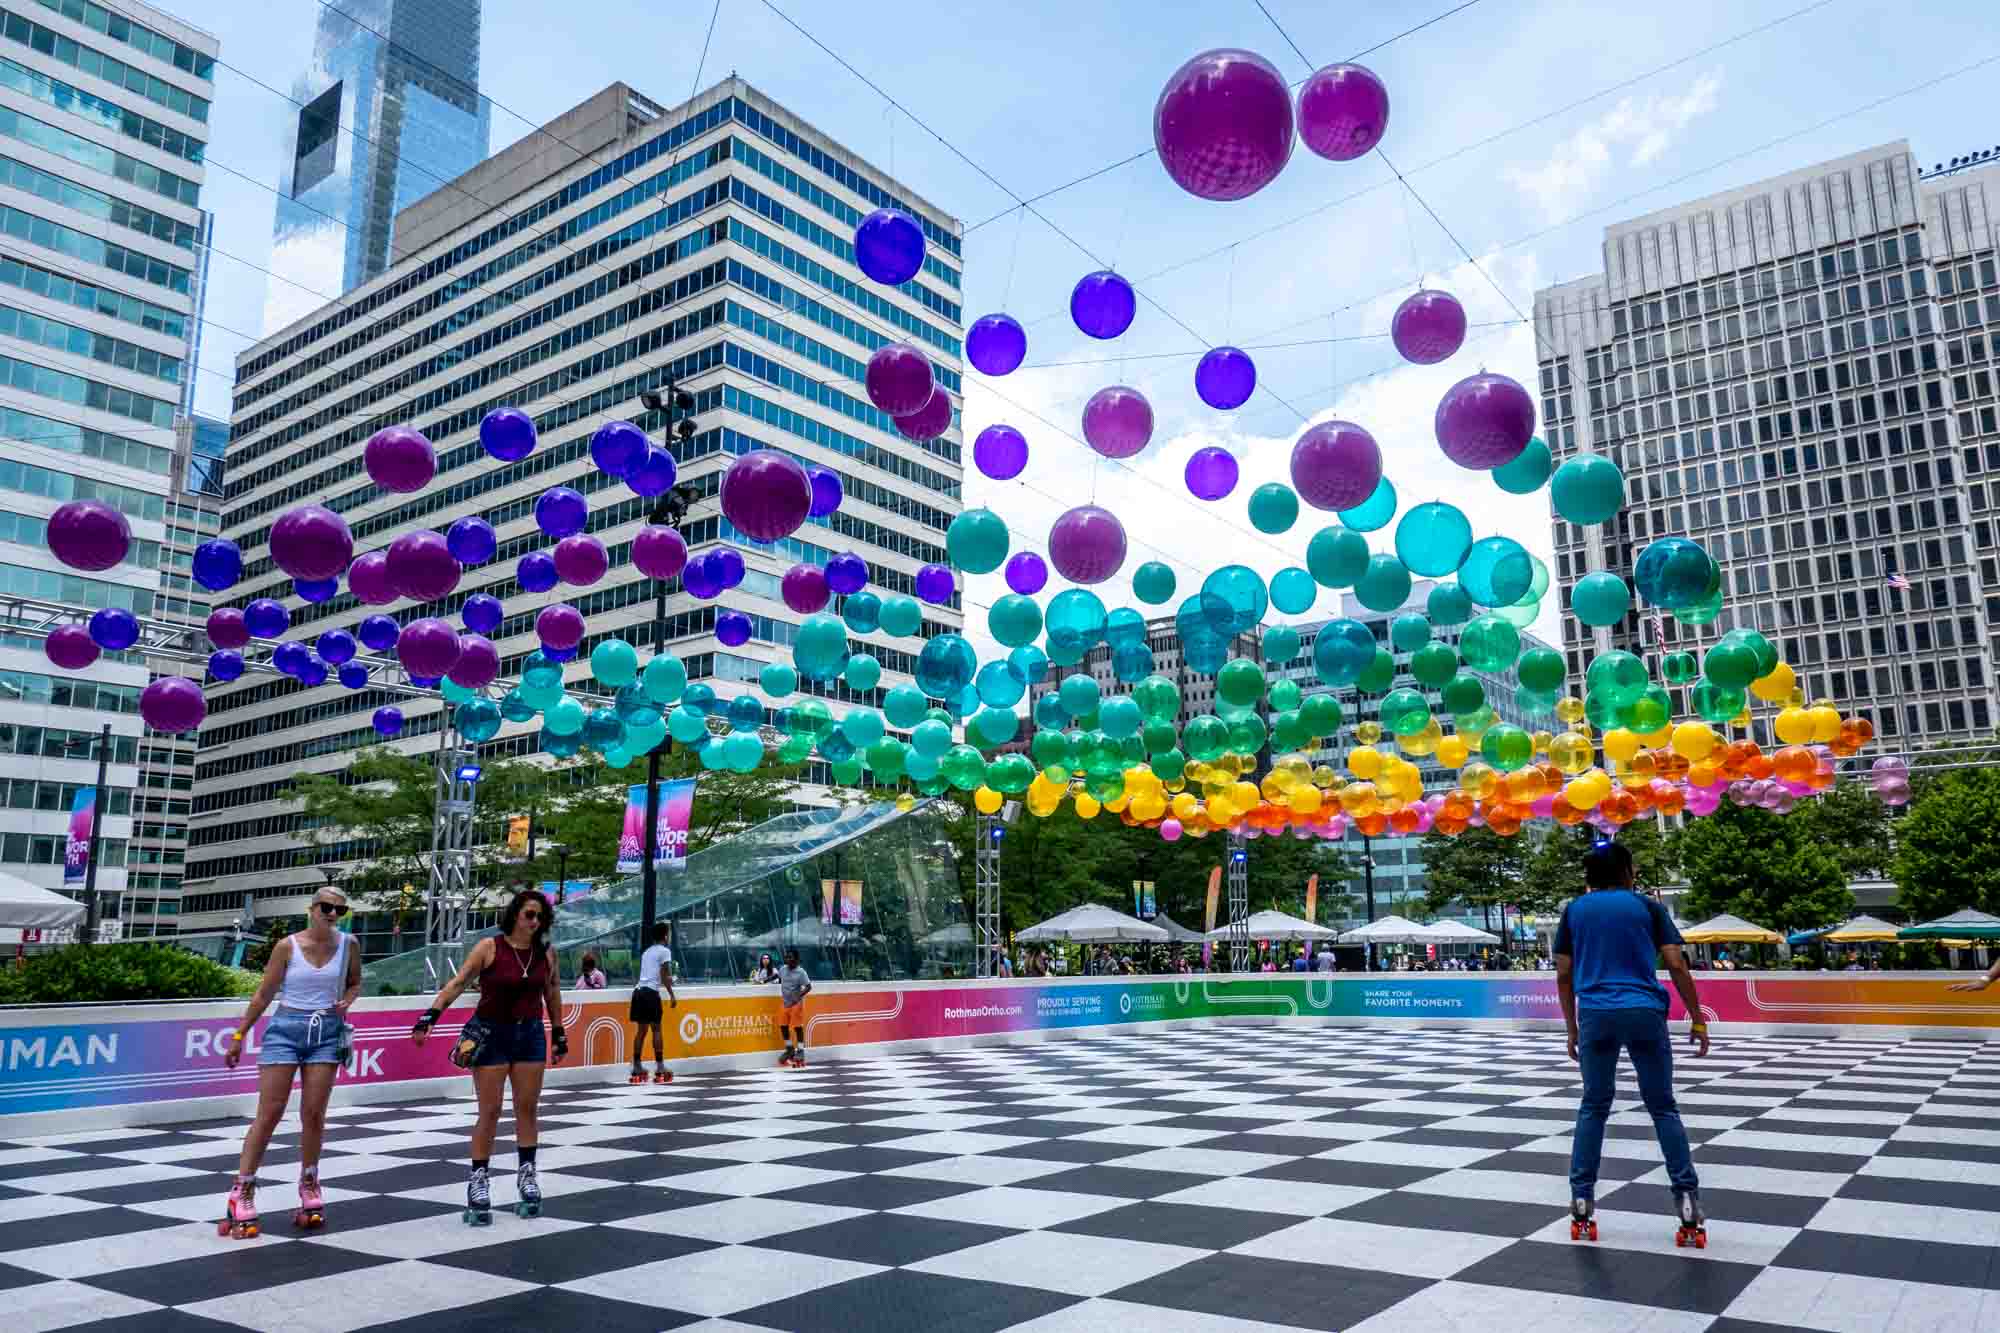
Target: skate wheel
[248,1231]
[1701,1240]
[527,1210]
[222,1227]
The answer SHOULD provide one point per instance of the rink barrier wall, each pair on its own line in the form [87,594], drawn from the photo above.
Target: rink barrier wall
[80,1066]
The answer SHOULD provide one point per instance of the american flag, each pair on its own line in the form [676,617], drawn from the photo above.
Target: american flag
[1899,583]
[1658,627]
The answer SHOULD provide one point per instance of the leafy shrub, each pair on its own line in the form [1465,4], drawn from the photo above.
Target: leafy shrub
[129,971]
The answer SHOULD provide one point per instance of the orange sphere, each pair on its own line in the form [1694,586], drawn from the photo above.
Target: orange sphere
[1642,795]
[1405,820]
[1736,759]
[1794,763]
[1673,766]
[1668,799]
[1566,814]
[1864,730]
[1619,807]
[1760,766]
[1524,785]
[1457,805]
[1373,825]
[1449,824]
[1704,774]
[1504,821]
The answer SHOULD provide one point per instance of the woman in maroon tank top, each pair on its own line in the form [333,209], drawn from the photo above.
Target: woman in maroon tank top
[505,1043]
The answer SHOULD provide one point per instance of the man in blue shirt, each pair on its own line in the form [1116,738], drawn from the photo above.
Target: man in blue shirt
[1611,999]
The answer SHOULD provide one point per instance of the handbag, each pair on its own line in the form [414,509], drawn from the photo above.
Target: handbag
[343,1043]
[471,1043]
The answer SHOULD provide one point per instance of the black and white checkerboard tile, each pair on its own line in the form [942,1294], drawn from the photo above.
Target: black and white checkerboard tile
[1224,1179]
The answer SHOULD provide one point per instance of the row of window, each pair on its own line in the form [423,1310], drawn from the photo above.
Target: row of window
[31,480]
[120,28]
[25,226]
[30,794]
[89,296]
[53,586]
[63,743]
[119,212]
[826,202]
[94,155]
[58,336]
[834,243]
[67,692]
[100,111]
[46,849]
[65,387]
[49,42]
[20,427]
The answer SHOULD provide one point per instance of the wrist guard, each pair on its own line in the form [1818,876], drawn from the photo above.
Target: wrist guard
[423,1024]
[559,1040]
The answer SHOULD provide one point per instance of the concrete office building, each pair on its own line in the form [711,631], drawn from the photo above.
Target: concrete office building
[103,120]
[389,112]
[1799,375]
[709,244]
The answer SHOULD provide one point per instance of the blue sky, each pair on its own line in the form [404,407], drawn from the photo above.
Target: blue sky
[1038,93]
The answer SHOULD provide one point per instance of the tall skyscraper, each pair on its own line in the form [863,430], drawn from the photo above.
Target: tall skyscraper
[1799,375]
[708,244]
[103,122]
[390,111]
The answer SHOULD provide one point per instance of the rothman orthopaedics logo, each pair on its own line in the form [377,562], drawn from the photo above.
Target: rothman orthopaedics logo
[691,1028]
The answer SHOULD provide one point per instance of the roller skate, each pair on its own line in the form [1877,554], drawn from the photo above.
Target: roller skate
[799,1058]
[785,1060]
[660,1075]
[530,1188]
[637,1078]
[478,1199]
[239,1214]
[1694,1223]
[1583,1219]
[310,1215]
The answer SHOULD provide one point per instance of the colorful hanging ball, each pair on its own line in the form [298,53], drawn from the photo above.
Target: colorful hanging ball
[766,495]
[114,629]
[1428,327]
[471,540]
[315,590]
[820,649]
[732,628]
[827,491]
[172,704]
[702,577]
[1343,112]
[1374,513]
[658,551]
[1588,489]
[1223,124]
[729,566]
[1274,507]
[1528,472]
[1117,421]
[804,589]
[482,614]
[996,344]
[70,647]
[267,619]
[617,448]
[400,459]
[1225,377]
[536,571]
[1014,620]
[507,433]
[889,246]
[428,647]
[1336,465]
[1211,473]
[88,535]
[929,421]
[1498,571]
[560,512]
[1433,539]
[478,663]
[1674,572]
[226,664]
[1000,452]
[421,567]
[336,646]
[1102,304]
[217,564]
[935,584]
[846,573]
[226,629]
[898,379]
[581,560]
[1087,544]
[655,475]
[379,633]
[977,540]
[368,579]
[557,626]
[1484,421]
[387,721]
[1153,583]
[1600,599]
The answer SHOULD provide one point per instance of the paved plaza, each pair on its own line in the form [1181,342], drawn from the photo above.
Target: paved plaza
[1214,1179]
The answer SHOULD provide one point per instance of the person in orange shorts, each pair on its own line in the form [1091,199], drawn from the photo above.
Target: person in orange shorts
[793,987]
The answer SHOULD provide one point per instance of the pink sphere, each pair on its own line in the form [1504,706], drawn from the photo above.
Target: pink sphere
[428,647]
[766,495]
[1117,421]
[70,647]
[1087,544]
[478,662]
[1343,112]
[311,542]
[172,703]
[226,628]
[1223,124]
[89,535]
[559,626]
[422,568]
[580,560]
[1170,830]
[659,551]
[898,379]
[368,579]
[929,421]
[1336,465]
[804,589]
[399,458]
[1485,420]
[1428,327]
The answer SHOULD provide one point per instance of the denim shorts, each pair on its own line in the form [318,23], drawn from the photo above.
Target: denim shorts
[525,1043]
[293,1037]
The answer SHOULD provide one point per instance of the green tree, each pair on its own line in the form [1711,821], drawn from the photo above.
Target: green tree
[1555,870]
[1477,867]
[1772,869]
[1948,846]
[1851,822]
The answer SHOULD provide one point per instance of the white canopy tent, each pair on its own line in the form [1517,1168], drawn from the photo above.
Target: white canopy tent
[25,906]
[1093,923]
[1277,926]
[1392,930]
[1457,932]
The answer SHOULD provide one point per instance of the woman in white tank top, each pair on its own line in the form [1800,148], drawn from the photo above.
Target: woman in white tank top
[314,976]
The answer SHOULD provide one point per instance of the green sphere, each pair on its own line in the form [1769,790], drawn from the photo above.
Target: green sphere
[1014,620]
[1702,612]
[1409,632]
[795,750]
[993,727]
[811,718]
[976,541]
[778,680]
[1463,694]
[1448,604]
[1404,712]
[1489,644]
[1766,651]
[847,772]
[1010,774]
[1281,644]
[1285,694]
[820,651]
[1169,765]
[1434,664]
[1678,668]
[1540,670]
[1337,557]
[904,705]
[1384,585]
[1507,747]
[1715,703]
[1650,711]
[1379,674]
[963,767]
[1588,489]
[1205,738]
[1159,699]
[1478,720]
[1287,731]
[1048,747]
[1240,683]
[1600,598]
[1617,675]
[886,759]
[1079,694]
[1119,716]
[900,616]
[1605,712]
[1159,737]
[1732,664]
[1319,714]
[614,662]
[1247,734]
[1528,472]
[1153,583]
[1274,507]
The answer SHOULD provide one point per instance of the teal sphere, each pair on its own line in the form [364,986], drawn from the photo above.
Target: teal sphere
[862,672]
[477,720]
[931,737]
[778,680]
[862,727]
[861,612]
[1293,591]
[1079,694]
[1337,557]
[1281,644]
[614,662]
[1448,604]
[1014,620]
[820,651]
[901,616]
[664,679]
[945,667]
[1385,586]
[993,727]
[1529,470]
[1600,598]
[564,717]
[977,541]
[999,685]
[1153,583]
[1374,512]
[1433,539]
[687,724]
[1274,507]
[1498,571]
[1588,489]
[1119,717]
[1409,632]
[1673,572]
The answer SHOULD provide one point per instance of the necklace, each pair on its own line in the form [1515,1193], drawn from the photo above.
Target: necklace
[520,956]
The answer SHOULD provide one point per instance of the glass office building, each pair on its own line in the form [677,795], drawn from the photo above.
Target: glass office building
[390,112]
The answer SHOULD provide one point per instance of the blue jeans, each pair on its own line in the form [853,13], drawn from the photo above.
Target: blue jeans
[1642,1031]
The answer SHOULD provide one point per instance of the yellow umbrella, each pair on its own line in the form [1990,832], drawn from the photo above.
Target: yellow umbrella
[1727,929]
[1862,930]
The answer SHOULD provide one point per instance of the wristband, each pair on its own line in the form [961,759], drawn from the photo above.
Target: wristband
[561,1042]
[236,1037]
[1697,1027]
[430,1017]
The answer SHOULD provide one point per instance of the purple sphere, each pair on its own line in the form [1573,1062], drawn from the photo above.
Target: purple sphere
[827,491]
[659,552]
[89,535]
[655,474]
[846,572]
[728,562]
[732,628]
[368,579]
[1428,327]
[1336,465]
[482,614]
[226,629]
[353,675]
[217,564]
[227,664]
[1027,573]
[478,662]
[507,433]
[701,578]
[388,720]
[898,379]
[421,566]
[336,646]
[1225,378]
[70,647]
[1343,111]
[617,448]
[766,495]
[1484,421]
[315,590]
[560,512]
[378,632]
[399,458]
[311,542]
[428,647]
[935,584]
[267,619]
[291,657]
[1211,473]
[1087,544]
[1223,124]
[889,246]
[471,540]
[1001,452]
[536,572]
[1102,304]
[172,703]
[114,629]
[558,626]
[1117,421]
[996,344]
[804,589]
[580,560]
[929,421]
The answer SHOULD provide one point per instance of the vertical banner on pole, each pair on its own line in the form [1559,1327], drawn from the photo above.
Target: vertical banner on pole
[829,889]
[76,849]
[1214,888]
[670,840]
[1139,899]
[1312,898]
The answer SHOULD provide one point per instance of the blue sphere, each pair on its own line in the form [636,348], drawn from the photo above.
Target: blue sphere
[536,572]
[945,667]
[826,490]
[889,246]
[507,433]
[315,590]
[266,619]
[617,448]
[483,613]
[355,676]
[471,541]
[388,720]
[225,664]
[560,512]
[218,563]
[114,629]
[732,628]
[337,646]
[655,474]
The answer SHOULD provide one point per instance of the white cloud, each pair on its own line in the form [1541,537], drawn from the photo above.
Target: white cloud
[1638,129]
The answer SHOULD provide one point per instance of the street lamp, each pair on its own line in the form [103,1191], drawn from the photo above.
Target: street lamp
[561,850]
[90,906]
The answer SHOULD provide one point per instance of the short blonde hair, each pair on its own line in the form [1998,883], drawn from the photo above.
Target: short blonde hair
[328,891]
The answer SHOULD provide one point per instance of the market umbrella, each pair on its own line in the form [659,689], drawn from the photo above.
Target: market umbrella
[1727,929]
[809,931]
[1093,923]
[1962,925]
[1276,926]
[1390,930]
[1457,932]
[1862,930]
[1176,932]
[25,906]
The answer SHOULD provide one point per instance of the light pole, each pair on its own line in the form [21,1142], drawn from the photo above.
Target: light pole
[561,850]
[678,406]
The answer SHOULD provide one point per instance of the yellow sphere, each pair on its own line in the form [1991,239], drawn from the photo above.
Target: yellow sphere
[1541,741]
[1358,798]
[1368,732]
[1364,762]
[1274,789]
[1571,753]
[1324,776]
[1793,725]
[1620,744]
[1184,806]
[1775,686]
[1583,728]
[1306,800]
[1244,795]
[1588,788]
[1087,805]
[1659,739]
[1695,741]
[1177,786]
[1569,709]
[906,802]
[1118,805]
[1478,780]
[1825,722]
[1452,751]
[986,801]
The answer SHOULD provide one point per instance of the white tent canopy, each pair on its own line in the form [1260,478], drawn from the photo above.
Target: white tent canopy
[1393,930]
[25,906]
[1277,926]
[1093,923]
[1457,932]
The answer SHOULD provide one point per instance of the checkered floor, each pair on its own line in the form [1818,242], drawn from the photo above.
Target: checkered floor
[1222,1179]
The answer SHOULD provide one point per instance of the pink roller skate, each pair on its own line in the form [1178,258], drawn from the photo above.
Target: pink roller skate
[239,1215]
[311,1212]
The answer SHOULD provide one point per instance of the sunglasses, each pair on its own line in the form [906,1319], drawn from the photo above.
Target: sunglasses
[330,909]
[531,913]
